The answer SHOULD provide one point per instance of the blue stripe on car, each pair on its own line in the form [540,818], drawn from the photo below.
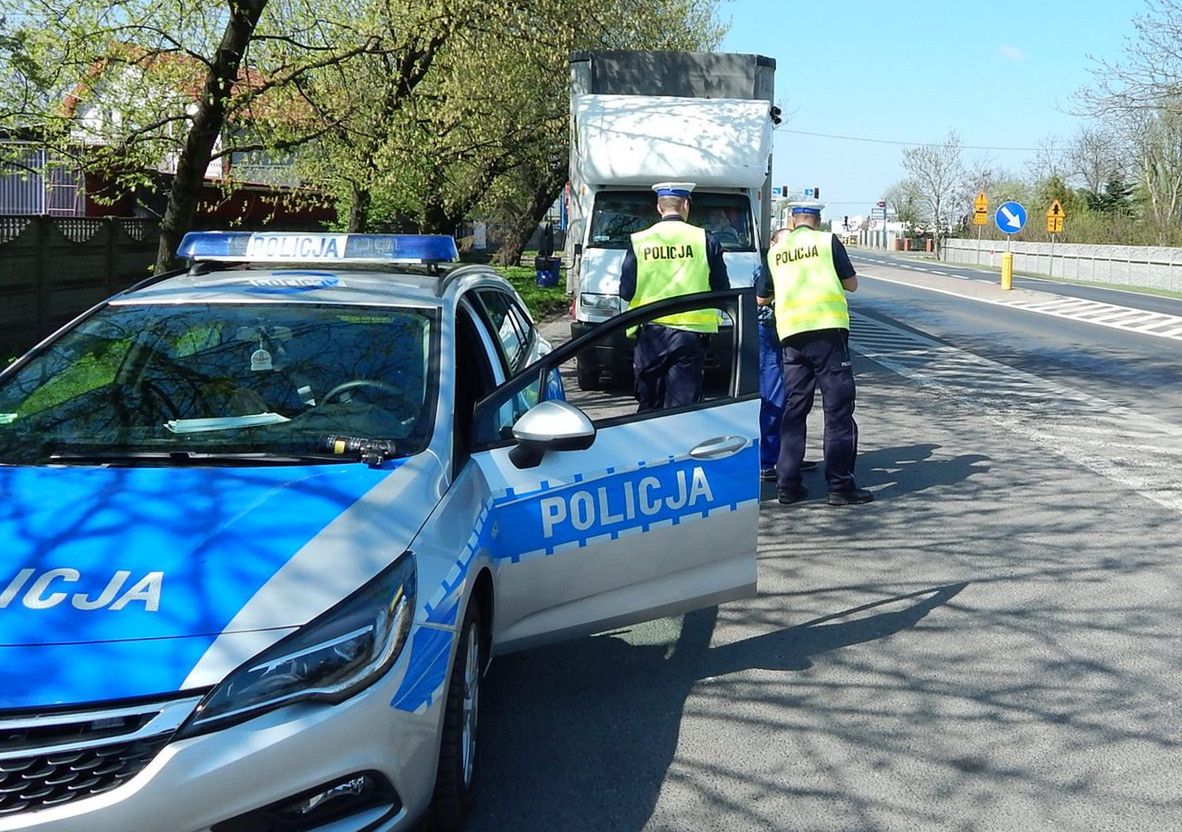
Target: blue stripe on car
[426,670]
[213,547]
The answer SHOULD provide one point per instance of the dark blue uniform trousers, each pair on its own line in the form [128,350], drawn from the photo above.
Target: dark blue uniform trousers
[810,358]
[771,395]
[668,365]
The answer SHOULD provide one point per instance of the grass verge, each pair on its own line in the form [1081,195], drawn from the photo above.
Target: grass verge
[543,301]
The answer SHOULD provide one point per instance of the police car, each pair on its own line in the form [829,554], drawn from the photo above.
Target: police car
[266,520]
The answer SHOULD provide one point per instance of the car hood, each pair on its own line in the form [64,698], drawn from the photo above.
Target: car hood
[122,582]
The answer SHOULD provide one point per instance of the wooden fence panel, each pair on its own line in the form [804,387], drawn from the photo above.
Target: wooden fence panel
[53,269]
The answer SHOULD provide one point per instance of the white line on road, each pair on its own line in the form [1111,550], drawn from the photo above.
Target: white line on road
[1133,448]
[1075,309]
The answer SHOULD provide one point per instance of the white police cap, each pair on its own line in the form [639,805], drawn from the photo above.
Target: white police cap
[806,206]
[678,189]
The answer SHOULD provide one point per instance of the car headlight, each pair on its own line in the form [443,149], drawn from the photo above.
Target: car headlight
[329,659]
[604,303]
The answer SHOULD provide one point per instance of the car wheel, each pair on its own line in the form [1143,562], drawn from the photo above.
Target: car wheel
[587,373]
[457,749]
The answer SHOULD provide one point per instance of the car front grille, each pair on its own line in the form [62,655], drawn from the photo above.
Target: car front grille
[50,759]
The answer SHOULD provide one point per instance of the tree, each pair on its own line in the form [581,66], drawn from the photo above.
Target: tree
[1115,197]
[1050,160]
[1158,147]
[136,88]
[488,125]
[1140,93]
[903,200]
[1095,156]
[938,174]
[1147,74]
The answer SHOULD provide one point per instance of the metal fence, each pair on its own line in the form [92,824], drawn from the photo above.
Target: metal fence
[53,269]
[33,182]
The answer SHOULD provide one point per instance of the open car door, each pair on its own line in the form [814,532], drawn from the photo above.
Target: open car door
[601,516]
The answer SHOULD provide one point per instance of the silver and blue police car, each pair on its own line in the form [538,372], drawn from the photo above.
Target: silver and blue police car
[263,523]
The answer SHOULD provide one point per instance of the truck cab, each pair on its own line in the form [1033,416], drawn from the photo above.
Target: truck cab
[638,118]
[617,213]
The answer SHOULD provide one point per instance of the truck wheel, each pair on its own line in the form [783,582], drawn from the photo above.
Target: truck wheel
[587,374]
[457,748]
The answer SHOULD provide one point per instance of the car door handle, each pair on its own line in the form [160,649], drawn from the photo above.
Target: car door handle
[719,446]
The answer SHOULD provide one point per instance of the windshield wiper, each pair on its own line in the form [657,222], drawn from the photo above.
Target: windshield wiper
[187,457]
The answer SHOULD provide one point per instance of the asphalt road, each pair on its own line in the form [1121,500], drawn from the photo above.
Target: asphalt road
[991,645]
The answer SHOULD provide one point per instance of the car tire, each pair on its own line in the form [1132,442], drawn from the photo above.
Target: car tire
[587,374]
[457,747]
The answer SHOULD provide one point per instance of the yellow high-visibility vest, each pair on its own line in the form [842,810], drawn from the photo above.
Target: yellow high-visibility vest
[671,262]
[809,294]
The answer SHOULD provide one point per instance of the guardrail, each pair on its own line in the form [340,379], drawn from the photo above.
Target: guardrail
[1147,267]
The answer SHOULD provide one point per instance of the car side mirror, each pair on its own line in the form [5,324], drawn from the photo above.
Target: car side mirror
[552,425]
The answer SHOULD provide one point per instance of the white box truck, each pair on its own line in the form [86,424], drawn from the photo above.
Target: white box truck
[638,118]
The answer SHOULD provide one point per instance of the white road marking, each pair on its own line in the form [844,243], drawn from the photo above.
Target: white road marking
[1139,321]
[1133,448]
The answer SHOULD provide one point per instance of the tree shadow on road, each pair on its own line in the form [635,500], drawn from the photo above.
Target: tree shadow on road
[581,735]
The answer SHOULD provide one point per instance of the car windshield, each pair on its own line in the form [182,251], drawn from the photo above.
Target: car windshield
[160,384]
[618,214]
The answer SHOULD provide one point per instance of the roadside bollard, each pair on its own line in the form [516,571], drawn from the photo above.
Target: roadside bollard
[1007,270]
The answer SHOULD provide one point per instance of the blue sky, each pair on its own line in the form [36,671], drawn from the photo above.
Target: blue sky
[999,72]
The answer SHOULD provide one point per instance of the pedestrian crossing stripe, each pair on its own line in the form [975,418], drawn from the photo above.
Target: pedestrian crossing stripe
[1114,316]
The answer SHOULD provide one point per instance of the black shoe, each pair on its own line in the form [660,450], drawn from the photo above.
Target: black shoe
[853,497]
[794,495]
[809,465]
[767,474]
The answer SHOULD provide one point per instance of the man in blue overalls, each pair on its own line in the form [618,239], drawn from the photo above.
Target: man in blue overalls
[771,385]
[667,260]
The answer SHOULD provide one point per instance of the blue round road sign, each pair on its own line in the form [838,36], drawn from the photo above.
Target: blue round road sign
[1010,217]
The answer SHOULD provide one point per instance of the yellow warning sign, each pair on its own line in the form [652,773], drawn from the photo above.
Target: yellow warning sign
[1055,217]
[981,209]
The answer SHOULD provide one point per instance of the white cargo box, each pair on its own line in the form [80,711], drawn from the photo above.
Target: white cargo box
[639,140]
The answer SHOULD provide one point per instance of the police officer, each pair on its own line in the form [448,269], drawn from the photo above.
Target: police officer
[809,270]
[771,390]
[669,259]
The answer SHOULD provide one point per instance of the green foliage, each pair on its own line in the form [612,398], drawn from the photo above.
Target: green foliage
[408,115]
[1115,198]
[486,128]
[544,302]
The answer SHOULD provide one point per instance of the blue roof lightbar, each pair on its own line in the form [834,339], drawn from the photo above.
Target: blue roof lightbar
[295,247]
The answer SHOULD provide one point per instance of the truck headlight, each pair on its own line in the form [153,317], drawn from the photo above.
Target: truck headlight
[329,659]
[604,303]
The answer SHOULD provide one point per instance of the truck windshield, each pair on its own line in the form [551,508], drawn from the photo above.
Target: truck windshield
[618,214]
[163,384]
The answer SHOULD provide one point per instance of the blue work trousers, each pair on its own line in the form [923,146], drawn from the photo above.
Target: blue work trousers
[812,358]
[771,395]
[668,364]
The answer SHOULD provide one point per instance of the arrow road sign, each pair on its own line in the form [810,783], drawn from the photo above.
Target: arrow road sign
[1055,217]
[1010,217]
